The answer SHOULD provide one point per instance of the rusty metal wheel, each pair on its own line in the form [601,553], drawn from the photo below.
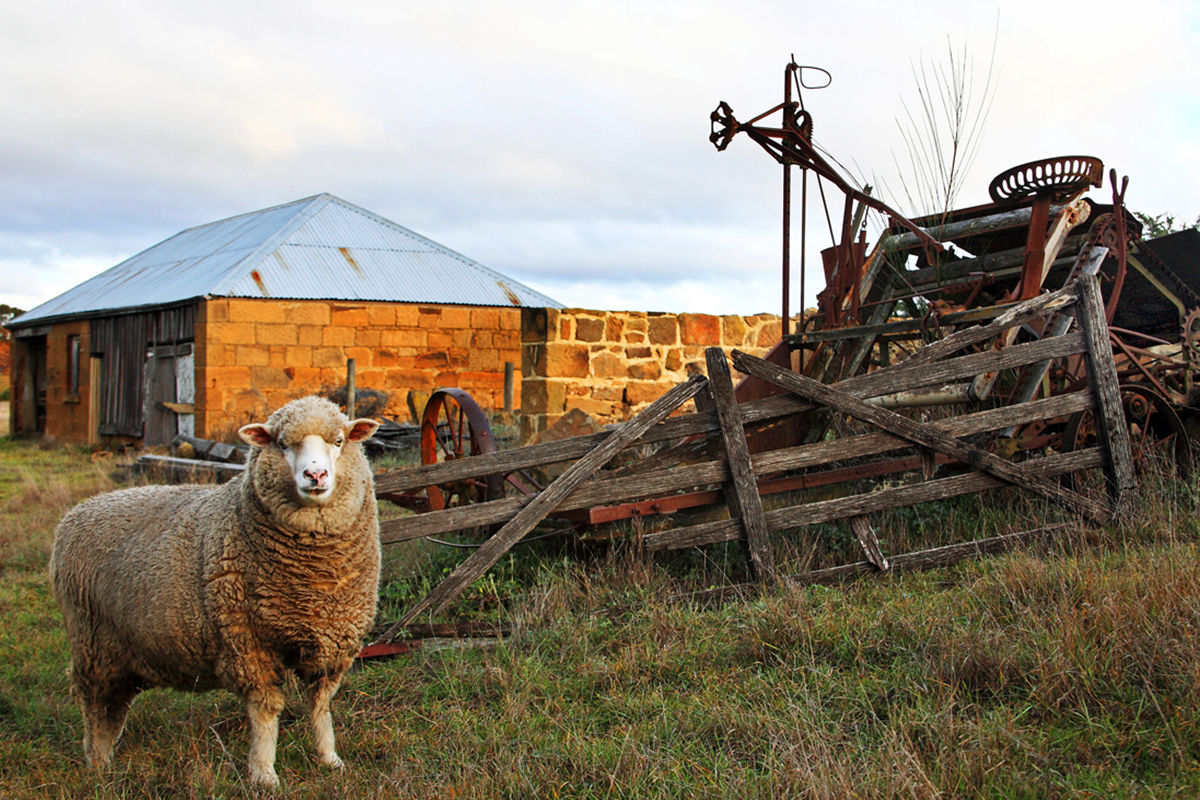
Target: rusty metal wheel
[1157,435]
[453,426]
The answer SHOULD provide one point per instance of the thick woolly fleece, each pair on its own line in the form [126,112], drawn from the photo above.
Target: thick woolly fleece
[229,586]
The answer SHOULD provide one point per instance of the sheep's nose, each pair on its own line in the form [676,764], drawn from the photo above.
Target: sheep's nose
[317,475]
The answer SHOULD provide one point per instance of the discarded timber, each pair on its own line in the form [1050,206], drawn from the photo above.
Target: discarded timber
[916,561]
[545,502]
[186,468]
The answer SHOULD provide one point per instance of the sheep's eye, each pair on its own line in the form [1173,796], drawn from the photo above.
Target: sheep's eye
[339,441]
[282,446]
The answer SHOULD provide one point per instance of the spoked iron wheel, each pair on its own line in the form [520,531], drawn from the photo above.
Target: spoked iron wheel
[1158,438]
[453,426]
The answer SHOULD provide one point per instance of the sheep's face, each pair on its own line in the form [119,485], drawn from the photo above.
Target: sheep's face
[311,458]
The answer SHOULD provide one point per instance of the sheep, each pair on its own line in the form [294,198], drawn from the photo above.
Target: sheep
[231,586]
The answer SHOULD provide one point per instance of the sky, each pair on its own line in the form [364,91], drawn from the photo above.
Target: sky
[564,144]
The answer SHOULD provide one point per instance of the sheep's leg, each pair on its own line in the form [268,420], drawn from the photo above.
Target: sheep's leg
[105,704]
[320,692]
[263,707]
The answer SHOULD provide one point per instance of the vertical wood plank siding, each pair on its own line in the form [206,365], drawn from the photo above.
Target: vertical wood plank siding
[120,342]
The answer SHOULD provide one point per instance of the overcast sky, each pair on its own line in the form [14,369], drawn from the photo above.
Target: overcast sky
[565,144]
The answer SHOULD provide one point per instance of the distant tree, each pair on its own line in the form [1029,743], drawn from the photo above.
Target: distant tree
[1161,224]
[7,313]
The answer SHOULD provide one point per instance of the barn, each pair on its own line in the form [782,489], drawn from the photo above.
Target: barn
[220,323]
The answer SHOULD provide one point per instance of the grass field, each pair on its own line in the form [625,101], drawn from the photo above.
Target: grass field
[1067,672]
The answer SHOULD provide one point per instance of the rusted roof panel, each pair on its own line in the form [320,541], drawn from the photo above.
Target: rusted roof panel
[320,247]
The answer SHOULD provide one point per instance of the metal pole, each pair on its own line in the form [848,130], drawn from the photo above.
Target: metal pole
[351,392]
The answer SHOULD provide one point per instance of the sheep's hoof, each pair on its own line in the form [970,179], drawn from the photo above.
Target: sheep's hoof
[333,762]
[265,778]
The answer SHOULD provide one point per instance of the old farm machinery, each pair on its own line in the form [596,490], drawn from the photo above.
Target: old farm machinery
[1019,343]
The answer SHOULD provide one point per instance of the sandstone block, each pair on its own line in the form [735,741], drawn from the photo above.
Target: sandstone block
[249,310]
[232,333]
[645,370]
[334,336]
[662,329]
[407,316]
[702,329]
[349,316]
[308,313]
[251,356]
[456,317]
[487,319]
[637,393]
[589,329]
[608,365]
[566,360]
[381,315]
[310,334]
[541,396]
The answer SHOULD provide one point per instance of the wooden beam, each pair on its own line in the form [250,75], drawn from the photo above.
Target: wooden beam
[1111,427]
[548,499]
[844,507]
[741,492]
[916,432]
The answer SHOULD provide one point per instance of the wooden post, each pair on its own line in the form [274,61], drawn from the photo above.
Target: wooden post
[1111,427]
[547,500]
[508,387]
[351,390]
[741,493]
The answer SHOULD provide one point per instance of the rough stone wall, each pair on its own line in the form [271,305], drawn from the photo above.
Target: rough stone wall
[253,355]
[611,364]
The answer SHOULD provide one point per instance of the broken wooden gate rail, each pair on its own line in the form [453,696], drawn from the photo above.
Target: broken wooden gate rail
[739,477]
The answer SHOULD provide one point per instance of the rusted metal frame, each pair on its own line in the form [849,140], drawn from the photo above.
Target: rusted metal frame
[741,491]
[1045,468]
[782,144]
[1137,364]
[1035,249]
[605,490]
[916,432]
[1121,241]
[539,507]
[1111,427]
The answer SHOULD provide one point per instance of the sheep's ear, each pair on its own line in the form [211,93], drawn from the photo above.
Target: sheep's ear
[362,429]
[256,434]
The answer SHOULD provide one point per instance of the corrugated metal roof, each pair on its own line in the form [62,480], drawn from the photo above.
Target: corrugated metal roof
[320,247]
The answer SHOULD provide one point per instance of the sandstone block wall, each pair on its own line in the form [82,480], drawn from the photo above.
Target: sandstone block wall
[611,364]
[253,355]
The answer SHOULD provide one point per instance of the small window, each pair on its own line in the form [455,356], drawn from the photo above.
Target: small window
[73,353]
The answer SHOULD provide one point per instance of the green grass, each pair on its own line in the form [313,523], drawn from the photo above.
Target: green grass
[1070,671]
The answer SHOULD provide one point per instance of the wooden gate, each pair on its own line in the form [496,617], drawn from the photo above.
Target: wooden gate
[707,460]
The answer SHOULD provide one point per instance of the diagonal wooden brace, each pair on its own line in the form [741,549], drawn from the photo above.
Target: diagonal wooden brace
[547,500]
[917,433]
